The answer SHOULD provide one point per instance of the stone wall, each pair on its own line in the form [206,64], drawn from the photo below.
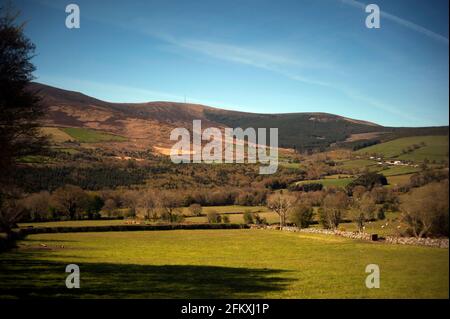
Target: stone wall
[431,242]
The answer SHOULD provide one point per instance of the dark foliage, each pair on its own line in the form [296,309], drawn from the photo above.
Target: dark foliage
[34,178]
[309,187]
[248,218]
[368,180]
[20,109]
[362,144]
[94,205]
[301,131]
[426,177]
[302,215]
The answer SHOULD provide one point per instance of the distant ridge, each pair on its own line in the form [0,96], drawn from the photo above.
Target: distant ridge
[148,125]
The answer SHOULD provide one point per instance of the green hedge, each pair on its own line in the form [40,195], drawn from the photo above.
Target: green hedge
[78,229]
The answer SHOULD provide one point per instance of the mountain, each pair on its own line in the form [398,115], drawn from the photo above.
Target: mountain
[148,125]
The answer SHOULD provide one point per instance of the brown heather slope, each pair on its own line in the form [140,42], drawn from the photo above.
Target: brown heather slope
[148,125]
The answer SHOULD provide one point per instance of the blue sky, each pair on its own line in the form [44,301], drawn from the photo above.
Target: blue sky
[252,55]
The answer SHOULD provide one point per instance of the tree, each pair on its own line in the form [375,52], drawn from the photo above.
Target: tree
[110,207]
[71,200]
[427,176]
[281,203]
[38,206]
[168,204]
[301,215]
[369,180]
[11,212]
[214,217]
[248,217]
[425,210]
[195,209]
[148,201]
[307,187]
[362,209]
[131,200]
[381,213]
[333,209]
[260,220]
[20,108]
[358,191]
[94,205]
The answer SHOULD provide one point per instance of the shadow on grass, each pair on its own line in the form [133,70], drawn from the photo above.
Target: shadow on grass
[22,277]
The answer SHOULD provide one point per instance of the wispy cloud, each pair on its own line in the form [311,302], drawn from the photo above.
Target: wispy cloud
[278,64]
[259,59]
[295,68]
[382,106]
[244,55]
[286,66]
[400,21]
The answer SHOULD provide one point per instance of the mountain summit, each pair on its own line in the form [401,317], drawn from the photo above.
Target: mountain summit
[148,125]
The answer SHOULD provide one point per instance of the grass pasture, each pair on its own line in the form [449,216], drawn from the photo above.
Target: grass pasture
[270,217]
[387,227]
[56,134]
[67,150]
[357,164]
[234,212]
[85,135]
[397,180]
[327,182]
[219,264]
[434,148]
[228,209]
[399,170]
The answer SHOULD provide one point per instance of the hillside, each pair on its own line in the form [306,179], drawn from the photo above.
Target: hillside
[299,130]
[414,148]
[141,126]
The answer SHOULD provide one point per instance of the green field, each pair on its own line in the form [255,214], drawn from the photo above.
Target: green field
[234,212]
[327,182]
[67,150]
[357,164]
[56,134]
[85,135]
[399,170]
[387,227]
[399,180]
[435,148]
[228,209]
[270,217]
[219,264]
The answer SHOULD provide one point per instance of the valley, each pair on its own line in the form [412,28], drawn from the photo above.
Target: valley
[223,150]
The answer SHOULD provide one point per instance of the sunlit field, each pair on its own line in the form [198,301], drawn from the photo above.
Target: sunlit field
[432,148]
[219,264]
